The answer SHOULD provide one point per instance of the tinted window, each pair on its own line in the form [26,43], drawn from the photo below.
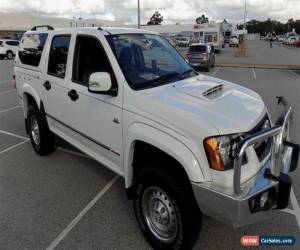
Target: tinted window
[199,48]
[89,57]
[148,60]
[12,43]
[59,55]
[31,48]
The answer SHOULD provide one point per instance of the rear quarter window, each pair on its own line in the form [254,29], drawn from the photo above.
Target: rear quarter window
[31,48]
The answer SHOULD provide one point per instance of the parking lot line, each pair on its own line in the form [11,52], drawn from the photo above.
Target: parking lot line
[288,211]
[6,81]
[254,74]
[9,109]
[293,73]
[12,147]
[216,71]
[7,92]
[295,207]
[12,134]
[74,222]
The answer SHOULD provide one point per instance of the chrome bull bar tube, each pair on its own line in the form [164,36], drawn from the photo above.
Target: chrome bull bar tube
[277,133]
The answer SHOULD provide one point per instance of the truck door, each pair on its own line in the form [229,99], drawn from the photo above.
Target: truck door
[55,85]
[95,118]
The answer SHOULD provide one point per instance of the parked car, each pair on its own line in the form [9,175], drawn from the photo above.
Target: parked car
[280,38]
[201,55]
[186,144]
[8,48]
[182,42]
[234,41]
[292,40]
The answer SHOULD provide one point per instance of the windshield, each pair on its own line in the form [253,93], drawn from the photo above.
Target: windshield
[148,60]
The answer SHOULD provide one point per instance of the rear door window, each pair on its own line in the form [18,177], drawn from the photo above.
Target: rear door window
[58,55]
[31,48]
[12,43]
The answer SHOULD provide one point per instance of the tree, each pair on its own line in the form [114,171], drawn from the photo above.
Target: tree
[225,21]
[240,26]
[202,19]
[156,19]
[271,25]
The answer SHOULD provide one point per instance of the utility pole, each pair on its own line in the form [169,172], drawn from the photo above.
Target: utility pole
[139,17]
[242,51]
[245,12]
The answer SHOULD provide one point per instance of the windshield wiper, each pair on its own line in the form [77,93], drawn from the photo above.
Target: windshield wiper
[186,72]
[163,78]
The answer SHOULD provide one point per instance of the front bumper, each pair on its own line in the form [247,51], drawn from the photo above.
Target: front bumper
[240,205]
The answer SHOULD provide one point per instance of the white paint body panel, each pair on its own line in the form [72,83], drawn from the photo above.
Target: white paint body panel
[175,117]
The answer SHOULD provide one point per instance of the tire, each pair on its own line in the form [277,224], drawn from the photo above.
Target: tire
[9,55]
[42,139]
[171,194]
[206,69]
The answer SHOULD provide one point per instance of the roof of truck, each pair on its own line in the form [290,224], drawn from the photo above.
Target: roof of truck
[109,30]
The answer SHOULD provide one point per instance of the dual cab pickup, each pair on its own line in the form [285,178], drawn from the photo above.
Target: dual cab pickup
[186,144]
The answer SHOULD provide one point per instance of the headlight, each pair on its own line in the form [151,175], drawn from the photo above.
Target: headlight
[220,151]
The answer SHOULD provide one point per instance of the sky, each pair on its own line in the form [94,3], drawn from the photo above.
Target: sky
[174,11]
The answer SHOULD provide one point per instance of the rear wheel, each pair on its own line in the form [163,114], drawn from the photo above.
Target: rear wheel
[41,137]
[9,55]
[166,210]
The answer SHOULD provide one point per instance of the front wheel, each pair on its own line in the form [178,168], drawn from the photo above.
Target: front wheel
[166,211]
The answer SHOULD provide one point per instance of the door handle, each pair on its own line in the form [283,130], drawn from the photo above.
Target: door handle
[47,85]
[73,95]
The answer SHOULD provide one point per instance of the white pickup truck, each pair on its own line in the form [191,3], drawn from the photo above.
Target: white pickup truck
[186,144]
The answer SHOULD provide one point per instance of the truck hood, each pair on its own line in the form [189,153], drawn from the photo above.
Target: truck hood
[201,102]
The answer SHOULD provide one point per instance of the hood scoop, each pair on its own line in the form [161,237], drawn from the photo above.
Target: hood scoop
[213,92]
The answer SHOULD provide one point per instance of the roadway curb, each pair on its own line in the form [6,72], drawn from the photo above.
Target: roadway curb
[258,66]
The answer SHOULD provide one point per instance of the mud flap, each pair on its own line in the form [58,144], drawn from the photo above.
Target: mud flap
[284,188]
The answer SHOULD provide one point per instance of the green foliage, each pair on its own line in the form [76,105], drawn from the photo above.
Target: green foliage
[156,19]
[202,19]
[270,26]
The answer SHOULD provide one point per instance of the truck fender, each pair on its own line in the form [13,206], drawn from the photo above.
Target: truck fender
[28,89]
[163,141]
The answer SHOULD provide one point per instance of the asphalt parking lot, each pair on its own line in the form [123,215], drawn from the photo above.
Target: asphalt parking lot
[68,201]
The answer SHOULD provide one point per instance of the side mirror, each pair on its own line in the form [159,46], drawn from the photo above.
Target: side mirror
[100,82]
